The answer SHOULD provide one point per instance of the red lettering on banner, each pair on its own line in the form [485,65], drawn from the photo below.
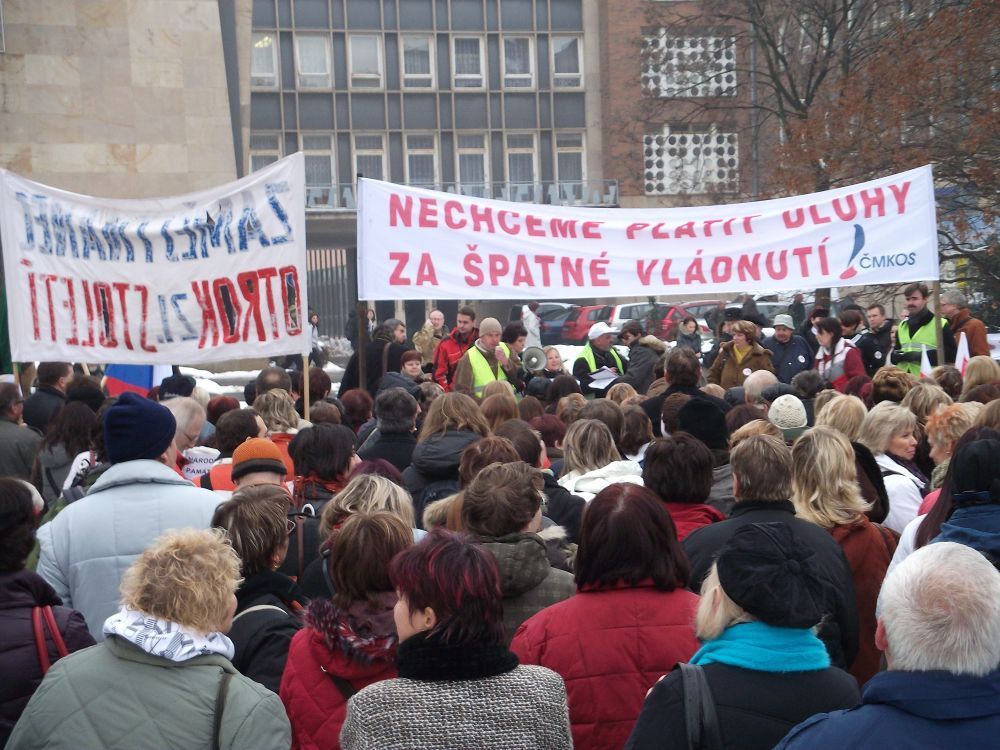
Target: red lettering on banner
[498,266]
[400,210]
[471,263]
[899,193]
[144,296]
[873,202]
[481,216]
[685,230]
[665,275]
[209,325]
[644,271]
[104,307]
[449,215]
[396,277]
[228,316]
[816,216]
[845,212]
[564,228]
[522,273]
[33,291]
[708,226]
[502,217]
[289,276]
[592,230]
[70,304]
[793,218]
[659,233]
[425,271]
[545,262]
[90,314]
[534,226]
[634,227]
[49,279]
[265,275]
[250,289]
[121,288]
[748,267]
[572,271]
[803,253]
[427,218]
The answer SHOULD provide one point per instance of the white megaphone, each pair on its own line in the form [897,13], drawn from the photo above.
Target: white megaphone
[533,359]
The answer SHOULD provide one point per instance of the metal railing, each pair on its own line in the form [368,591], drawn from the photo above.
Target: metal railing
[342,197]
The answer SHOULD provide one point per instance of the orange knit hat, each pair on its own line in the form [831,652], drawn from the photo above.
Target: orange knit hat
[257,454]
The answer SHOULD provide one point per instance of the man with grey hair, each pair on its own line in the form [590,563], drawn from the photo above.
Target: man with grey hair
[755,384]
[939,627]
[955,307]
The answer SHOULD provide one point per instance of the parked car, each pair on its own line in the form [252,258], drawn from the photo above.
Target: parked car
[579,321]
[552,325]
[669,318]
[543,308]
[622,314]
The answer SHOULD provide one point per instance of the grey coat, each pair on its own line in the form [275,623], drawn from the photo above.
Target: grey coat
[18,446]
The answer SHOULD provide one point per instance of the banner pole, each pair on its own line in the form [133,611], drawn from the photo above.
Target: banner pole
[305,386]
[17,376]
[361,312]
[86,369]
[936,293]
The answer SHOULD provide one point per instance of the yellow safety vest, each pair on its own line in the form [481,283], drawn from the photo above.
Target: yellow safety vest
[914,341]
[587,354]
[481,372]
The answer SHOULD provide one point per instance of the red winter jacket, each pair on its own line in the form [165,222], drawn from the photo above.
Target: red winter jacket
[688,517]
[316,707]
[447,355]
[610,646]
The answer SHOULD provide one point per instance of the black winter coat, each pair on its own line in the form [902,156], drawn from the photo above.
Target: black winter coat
[41,406]
[653,406]
[642,358]
[435,460]
[755,709]
[380,357]
[394,447]
[839,630]
[20,592]
[262,637]
[563,507]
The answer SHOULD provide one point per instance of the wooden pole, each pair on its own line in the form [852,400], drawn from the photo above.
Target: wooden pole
[86,368]
[936,294]
[305,386]
[17,376]
[362,315]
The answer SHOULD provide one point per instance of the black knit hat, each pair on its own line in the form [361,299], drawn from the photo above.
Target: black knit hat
[173,386]
[774,577]
[136,427]
[706,421]
[976,468]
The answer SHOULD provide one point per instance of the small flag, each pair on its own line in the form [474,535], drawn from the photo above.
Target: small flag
[962,354]
[139,379]
[925,362]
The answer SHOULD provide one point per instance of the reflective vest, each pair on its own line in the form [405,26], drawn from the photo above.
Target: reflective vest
[914,342]
[481,372]
[587,354]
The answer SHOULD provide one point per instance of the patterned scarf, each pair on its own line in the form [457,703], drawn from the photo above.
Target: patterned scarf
[164,638]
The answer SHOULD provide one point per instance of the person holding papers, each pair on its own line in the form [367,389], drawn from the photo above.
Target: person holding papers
[598,365]
[739,357]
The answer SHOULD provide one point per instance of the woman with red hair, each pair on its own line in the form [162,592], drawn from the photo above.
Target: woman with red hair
[458,684]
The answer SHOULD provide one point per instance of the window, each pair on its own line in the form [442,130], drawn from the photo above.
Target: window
[366,61]
[319,171]
[521,158]
[681,161]
[518,63]
[312,57]
[567,70]
[369,156]
[676,66]
[569,157]
[473,174]
[264,150]
[467,59]
[264,61]
[421,161]
[418,62]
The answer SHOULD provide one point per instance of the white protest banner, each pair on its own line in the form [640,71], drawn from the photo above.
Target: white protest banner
[219,274]
[421,244]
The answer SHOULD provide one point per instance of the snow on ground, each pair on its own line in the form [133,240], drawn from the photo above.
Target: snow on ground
[231,382]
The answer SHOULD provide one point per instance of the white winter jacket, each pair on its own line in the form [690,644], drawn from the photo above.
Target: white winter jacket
[903,489]
[588,484]
[85,549]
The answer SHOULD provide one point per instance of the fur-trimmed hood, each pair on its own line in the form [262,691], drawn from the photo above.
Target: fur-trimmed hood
[653,343]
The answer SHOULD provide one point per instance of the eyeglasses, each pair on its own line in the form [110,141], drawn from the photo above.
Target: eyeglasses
[290,525]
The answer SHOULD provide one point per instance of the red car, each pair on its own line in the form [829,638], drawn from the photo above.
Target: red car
[580,319]
[674,314]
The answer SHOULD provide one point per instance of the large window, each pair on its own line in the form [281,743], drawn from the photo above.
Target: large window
[418,62]
[569,158]
[521,159]
[320,192]
[312,59]
[473,165]
[369,155]
[264,60]
[421,160]
[467,62]
[567,65]
[684,160]
[518,63]
[365,61]
[264,150]
[693,66]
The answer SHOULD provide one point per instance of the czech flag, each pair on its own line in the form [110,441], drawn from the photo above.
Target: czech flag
[139,379]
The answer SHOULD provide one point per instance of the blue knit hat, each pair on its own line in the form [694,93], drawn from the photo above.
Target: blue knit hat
[135,427]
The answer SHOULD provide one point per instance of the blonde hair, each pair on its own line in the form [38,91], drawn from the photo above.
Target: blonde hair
[946,425]
[588,445]
[619,392]
[885,421]
[754,427]
[716,611]
[714,389]
[923,398]
[824,479]
[453,411]
[275,407]
[497,388]
[436,513]
[980,370]
[498,408]
[845,414]
[187,577]
[366,493]
[569,408]
[824,397]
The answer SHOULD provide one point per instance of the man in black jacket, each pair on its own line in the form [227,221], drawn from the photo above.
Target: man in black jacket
[681,371]
[762,470]
[881,328]
[853,323]
[50,395]
[394,437]
[597,354]
[644,351]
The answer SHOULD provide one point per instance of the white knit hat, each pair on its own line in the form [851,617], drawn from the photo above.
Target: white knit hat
[788,413]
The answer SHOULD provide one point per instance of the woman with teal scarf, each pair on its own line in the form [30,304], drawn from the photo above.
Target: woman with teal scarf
[765,668]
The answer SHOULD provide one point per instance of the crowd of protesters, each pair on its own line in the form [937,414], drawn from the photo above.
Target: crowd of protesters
[793,541]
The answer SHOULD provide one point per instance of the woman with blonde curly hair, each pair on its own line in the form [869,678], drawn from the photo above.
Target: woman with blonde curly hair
[923,400]
[739,357]
[277,410]
[825,492]
[981,370]
[165,658]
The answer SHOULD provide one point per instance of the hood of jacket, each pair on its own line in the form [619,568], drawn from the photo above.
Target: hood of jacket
[522,559]
[25,588]
[653,343]
[439,455]
[140,471]
[976,526]
[597,479]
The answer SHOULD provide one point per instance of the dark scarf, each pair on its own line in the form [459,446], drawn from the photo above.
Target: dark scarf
[363,632]
[425,657]
[270,583]
[911,467]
